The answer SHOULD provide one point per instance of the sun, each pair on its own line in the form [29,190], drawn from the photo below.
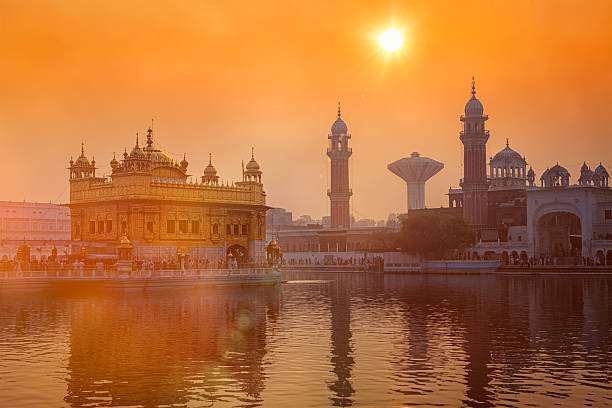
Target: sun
[391,39]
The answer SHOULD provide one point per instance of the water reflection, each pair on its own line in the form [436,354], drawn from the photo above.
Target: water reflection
[169,348]
[341,348]
[349,339]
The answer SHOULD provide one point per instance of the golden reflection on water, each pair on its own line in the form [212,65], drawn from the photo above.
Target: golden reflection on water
[338,340]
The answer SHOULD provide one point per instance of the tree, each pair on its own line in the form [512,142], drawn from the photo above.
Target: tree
[432,235]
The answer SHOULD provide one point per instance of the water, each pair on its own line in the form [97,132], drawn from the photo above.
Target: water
[319,340]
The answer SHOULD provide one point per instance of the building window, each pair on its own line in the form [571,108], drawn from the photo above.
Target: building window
[92,227]
[109,226]
[149,227]
[77,229]
[170,227]
[236,229]
[228,229]
[608,215]
[245,229]
[216,229]
[101,227]
[183,227]
[520,237]
[195,227]
[124,227]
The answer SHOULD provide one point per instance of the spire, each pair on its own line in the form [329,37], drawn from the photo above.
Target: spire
[507,144]
[473,86]
[252,153]
[137,139]
[338,109]
[210,159]
[82,148]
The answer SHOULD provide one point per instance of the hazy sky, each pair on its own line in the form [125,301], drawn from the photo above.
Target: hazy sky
[221,77]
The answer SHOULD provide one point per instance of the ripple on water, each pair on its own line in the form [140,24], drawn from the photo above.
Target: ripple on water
[317,340]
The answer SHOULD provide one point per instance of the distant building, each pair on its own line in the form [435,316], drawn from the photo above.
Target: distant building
[338,236]
[43,226]
[149,199]
[415,171]
[278,217]
[340,193]
[514,217]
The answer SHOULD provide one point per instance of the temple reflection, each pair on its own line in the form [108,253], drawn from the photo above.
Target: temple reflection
[169,347]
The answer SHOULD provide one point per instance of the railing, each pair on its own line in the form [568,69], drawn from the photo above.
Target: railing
[101,274]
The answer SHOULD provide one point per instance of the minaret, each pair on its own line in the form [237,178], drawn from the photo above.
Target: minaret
[474,183]
[339,193]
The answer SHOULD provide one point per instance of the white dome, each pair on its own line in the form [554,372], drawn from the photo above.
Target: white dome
[473,107]
[507,156]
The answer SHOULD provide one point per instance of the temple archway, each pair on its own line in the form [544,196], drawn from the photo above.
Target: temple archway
[559,235]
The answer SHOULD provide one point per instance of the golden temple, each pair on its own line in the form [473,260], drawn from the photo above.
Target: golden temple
[149,199]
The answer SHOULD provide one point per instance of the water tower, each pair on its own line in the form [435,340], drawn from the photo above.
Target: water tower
[415,171]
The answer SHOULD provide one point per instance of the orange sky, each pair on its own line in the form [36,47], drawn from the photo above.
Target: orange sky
[225,76]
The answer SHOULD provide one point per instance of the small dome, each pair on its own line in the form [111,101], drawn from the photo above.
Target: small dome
[210,170]
[252,165]
[584,167]
[82,160]
[507,155]
[114,163]
[339,127]
[557,169]
[137,152]
[184,162]
[473,107]
[531,172]
[601,171]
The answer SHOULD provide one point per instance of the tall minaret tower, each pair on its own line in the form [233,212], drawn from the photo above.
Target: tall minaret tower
[474,183]
[339,193]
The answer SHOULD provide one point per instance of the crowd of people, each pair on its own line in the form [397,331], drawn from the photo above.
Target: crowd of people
[368,263]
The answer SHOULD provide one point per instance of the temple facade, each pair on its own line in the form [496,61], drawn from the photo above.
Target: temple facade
[149,199]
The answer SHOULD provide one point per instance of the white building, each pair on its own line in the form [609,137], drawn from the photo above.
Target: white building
[42,225]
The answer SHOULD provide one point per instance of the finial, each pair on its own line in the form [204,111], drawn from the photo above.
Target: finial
[210,159]
[252,153]
[507,142]
[136,139]
[114,156]
[338,109]
[82,148]
[473,86]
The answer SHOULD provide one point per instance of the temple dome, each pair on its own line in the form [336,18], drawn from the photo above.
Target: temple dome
[601,171]
[507,155]
[137,152]
[252,165]
[473,107]
[82,160]
[339,127]
[210,170]
[157,156]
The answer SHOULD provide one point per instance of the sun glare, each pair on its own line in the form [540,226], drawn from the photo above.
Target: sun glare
[391,39]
